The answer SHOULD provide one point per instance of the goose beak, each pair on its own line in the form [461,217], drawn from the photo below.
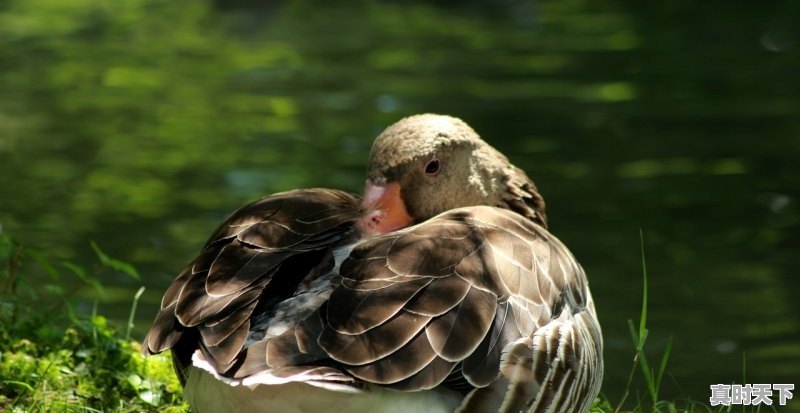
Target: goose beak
[384,209]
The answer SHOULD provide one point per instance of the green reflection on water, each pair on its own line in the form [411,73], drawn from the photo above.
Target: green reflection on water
[140,124]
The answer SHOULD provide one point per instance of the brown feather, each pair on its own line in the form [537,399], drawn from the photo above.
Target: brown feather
[425,252]
[483,366]
[213,333]
[296,346]
[171,295]
[166,331]
[431,376]
[238,266]
[456,334]
[439,297]
[354,311]
[195,306]
[373,344]
[400,365]
[223,355]
[253,360]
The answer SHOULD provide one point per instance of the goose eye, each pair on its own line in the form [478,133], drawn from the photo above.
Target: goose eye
[432,167]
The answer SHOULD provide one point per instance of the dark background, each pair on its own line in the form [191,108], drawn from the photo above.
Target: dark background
[141,123]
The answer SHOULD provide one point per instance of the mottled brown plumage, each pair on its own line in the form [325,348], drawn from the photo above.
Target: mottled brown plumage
[477,303]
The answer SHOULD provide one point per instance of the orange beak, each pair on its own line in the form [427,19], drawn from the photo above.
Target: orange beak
[384,209]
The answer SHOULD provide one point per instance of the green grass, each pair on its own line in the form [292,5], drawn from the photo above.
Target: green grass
[53,359]
[652,378]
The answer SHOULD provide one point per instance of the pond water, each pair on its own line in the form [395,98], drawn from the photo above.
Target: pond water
[141,124]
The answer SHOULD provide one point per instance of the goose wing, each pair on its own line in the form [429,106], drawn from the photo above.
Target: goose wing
[260,255]
[479,299]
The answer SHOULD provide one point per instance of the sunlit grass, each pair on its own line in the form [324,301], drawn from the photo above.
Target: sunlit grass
[53,359]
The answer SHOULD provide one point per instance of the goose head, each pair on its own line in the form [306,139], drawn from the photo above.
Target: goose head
[427,164]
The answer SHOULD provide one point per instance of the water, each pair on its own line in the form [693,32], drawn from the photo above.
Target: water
[140,124]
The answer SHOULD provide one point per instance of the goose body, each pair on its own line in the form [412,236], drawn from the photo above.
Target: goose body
[440,291]
[207,394]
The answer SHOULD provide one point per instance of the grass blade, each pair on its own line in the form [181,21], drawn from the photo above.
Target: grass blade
[132,314]
[663,367]
[81,273]
[643,318]
[116,264]
[43,262]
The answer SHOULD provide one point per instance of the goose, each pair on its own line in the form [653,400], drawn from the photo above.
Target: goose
[441,290]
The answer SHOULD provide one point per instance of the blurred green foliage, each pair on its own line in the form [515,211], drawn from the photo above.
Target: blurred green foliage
[141,123]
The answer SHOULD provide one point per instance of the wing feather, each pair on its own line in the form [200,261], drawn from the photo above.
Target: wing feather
[496,295]
[263,253]
[400,365]
[238,266]
[373,344]
[457,333]
[356,311]
[439,297]
[431,376]
[479,297]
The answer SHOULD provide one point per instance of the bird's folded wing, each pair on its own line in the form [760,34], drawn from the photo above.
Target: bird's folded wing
[477,295]
[259,255]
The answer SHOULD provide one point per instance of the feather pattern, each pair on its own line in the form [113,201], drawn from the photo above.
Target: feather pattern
[481,299]
[473,309]
[257,258]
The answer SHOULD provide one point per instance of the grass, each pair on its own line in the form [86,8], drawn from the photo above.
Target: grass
[53,359]
[651,378]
